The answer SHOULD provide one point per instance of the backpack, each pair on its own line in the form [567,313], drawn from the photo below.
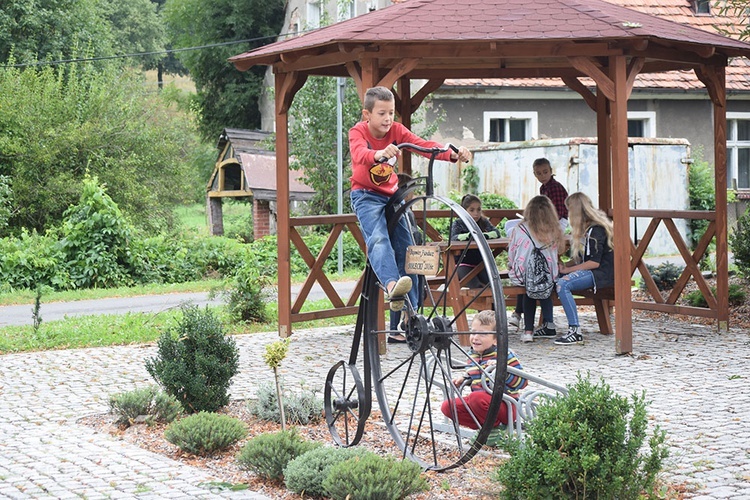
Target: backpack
[538,279]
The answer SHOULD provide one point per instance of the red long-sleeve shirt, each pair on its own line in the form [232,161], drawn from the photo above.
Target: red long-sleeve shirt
[379,177]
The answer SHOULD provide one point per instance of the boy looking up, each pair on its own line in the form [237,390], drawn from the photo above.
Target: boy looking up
[371,141]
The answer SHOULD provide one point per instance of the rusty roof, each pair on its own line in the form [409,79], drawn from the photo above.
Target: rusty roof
[458,22]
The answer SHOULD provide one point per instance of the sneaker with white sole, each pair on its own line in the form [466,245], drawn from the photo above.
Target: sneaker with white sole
[572,337]
[527,337]
[514,319]
[545,332]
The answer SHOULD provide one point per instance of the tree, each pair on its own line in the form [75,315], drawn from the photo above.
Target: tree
[137,28]
[225,97]
[313,138]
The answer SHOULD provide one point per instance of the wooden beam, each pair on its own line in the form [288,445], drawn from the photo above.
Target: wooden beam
[575,84]
[635,67]
[285,83]
[427,89]
[589,68]
[287,87]
[356,73]
[714,82]
[402,68]
[621,204]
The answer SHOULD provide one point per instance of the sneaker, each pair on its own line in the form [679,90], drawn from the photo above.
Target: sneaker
[572,337]
[515,319]
[527,337]
[545,332]
[401,288]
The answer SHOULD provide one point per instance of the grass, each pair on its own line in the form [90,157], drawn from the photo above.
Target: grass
[133,328]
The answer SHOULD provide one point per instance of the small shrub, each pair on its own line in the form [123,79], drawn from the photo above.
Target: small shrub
[299,409]
[587,444]
[374,477]
[205,433]
[665,275]
[739,242]
[268,454]
[195,361]
[157,406]
[246,295]
[737,296]
[306,473]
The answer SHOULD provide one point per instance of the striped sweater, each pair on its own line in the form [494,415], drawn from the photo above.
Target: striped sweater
[513,383]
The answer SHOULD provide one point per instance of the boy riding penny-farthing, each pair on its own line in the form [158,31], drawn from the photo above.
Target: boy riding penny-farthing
[412,380]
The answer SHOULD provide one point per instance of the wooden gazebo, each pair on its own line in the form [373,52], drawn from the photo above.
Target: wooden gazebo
[432,40]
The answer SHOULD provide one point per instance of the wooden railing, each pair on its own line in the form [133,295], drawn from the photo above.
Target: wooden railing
[343,306]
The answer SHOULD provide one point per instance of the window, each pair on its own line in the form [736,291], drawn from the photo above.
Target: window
[313,14]
[702,6]
[510,126]
[641,124]
[738,150]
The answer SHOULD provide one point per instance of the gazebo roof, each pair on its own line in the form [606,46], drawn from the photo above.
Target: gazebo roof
[496,38]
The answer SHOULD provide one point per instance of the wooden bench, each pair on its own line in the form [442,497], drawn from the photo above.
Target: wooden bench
[481,299]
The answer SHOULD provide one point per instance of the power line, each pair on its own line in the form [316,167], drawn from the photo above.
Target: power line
[144,54]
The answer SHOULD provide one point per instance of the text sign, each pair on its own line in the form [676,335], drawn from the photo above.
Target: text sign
[424,260]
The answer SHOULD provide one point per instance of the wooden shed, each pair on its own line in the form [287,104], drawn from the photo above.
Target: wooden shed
[244,169]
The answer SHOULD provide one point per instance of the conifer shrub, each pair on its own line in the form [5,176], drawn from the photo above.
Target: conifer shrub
[374,477]
[205,433]
[665,275]
[157,406]
[591,443]
[305,474]
[299,409]
[195,361]
[268,454]
[737,296]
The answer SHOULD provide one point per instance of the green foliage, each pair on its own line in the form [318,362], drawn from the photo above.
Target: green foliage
[587,444]
[226,96]
[739,242]
[195,361]
[276,352]
[95,238]
[373,477]
[268,454]
[312,131]
[701,194]
[305,474]
[496,201]
[470,178]
[205,433]
[246,295]
[665,275]
[299,408]
[737,296]
[55,129]
[6,203]
[157,406]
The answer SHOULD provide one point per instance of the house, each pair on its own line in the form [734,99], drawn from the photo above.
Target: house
[245,170]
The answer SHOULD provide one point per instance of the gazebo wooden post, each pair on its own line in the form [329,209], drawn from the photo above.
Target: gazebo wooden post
[282,209]
[603,147]
[621,206]
[405,111]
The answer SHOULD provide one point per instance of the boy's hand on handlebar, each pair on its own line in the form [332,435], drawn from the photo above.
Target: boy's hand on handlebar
[386,154]
[463,154]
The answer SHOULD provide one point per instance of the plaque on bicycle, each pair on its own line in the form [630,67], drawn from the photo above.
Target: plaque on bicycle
[424,260]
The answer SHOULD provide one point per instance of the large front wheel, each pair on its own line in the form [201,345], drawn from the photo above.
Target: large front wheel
[413,381]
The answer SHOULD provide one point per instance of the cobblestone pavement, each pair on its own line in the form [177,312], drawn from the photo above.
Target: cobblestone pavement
[696,380]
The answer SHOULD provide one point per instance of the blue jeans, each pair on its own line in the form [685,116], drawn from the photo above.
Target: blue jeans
[568,283]
[386,253]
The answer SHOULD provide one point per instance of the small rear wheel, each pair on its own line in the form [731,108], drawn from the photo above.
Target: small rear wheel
[346,404]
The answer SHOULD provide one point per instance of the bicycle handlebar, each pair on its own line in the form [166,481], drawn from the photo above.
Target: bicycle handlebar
[433,151]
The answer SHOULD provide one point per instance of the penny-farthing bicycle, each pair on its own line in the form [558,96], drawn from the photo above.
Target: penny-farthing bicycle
[412,380]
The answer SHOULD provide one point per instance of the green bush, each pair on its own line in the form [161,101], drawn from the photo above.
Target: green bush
[701,194]
[587,444]
[195,361]
[268,454]
[150,402]
[373,477]
[305,474]
[739,242]
[665,275]
[737,296]
[299,409]
[30,260]
[246,295]
[205,433]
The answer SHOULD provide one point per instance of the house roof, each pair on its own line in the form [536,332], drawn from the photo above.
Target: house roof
[511,33]
[260,173]
[678,11]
